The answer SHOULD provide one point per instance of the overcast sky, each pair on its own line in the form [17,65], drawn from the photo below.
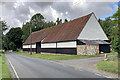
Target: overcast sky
[15,13]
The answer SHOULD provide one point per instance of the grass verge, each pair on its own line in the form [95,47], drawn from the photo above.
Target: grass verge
[5,72]
[58,57]
[110,66]
[0,67]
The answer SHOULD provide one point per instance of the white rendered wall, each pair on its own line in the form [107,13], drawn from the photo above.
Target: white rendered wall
[92,30]
[48,45]
[69,44]
[28,46]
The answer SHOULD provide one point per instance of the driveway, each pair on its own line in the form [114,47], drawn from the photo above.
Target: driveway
[27,67]
[88,64]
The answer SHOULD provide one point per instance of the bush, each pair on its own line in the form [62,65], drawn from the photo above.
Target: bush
[12,46]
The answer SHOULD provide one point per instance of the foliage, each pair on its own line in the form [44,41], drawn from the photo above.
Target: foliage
[13,39]
[26,31]
[59,21]
[3,27]
[107,26]
[15,35]
[36,23]
[5,43]
[12,46]
[65,21]
[112,30]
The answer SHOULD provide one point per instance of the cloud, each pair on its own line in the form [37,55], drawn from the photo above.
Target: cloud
[17,13]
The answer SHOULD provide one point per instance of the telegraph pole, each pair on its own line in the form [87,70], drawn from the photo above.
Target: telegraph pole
[30,41]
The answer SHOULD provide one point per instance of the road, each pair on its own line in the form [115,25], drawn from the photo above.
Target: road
[27,67]
[88,64]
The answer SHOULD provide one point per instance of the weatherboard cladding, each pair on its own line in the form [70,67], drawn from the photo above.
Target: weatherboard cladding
[68,31]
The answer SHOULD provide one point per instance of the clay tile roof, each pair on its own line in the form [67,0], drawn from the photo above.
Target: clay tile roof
[62,32]
[37,36]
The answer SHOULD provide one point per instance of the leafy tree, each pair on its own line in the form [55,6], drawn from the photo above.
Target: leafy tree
[5,43]
[65,21]
[3,27]
[15,35]
[115,39]
[107,26]
[58,21]
[26,31]
[12,46]
[49,24]
[112,29]
[115,35]
[36,23]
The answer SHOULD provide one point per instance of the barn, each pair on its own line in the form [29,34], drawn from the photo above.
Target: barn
[81,36]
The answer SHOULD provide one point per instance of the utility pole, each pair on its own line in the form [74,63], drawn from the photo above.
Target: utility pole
[31,41]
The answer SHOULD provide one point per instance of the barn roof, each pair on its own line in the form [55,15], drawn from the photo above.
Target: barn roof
[62,32]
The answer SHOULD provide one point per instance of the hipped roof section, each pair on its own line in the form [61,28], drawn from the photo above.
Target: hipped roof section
[63,32]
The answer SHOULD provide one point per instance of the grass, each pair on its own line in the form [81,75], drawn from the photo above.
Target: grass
[110,66]
[4,70]
[0,67]
[59,57]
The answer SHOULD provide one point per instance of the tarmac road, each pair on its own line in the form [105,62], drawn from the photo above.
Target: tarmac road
[27,67]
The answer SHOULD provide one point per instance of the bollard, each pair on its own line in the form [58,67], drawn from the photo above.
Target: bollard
[105,57]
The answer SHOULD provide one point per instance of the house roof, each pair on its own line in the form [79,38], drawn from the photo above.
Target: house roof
[94,42]
[62,32]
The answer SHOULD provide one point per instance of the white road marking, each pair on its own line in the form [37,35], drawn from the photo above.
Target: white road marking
[102,75]
[14,69]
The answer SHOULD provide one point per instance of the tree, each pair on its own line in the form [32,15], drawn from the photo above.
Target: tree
[115,39]
[3,27]
[107,25]
[5,43]
[26,31]
[36,23]
[115,35]
[65,21]
[15,35]
[12,46]
[112,30]
[58,21]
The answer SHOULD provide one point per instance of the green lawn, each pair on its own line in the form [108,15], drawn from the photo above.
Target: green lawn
[110,66]
[4,68]
[59,57]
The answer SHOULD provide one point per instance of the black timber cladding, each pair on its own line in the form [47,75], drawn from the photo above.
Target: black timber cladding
[38,49]
[28,49]
[104,48]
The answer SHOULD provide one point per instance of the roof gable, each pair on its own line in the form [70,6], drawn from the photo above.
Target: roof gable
[92,30]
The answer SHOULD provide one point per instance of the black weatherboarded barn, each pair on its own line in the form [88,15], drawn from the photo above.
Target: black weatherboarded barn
[82,36]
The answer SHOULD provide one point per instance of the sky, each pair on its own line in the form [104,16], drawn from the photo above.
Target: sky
[17,12]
